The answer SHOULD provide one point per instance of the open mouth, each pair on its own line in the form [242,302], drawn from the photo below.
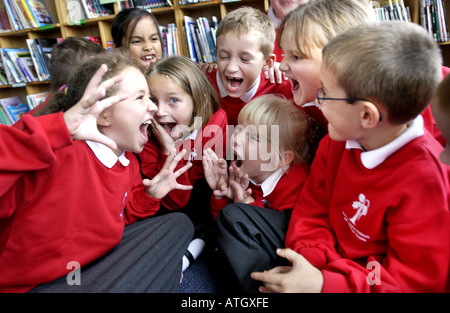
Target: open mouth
[143,130]
[237,160]
[168,127]
[149,58]
[234,82]
[295,85]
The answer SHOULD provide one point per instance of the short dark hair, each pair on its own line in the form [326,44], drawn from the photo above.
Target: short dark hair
[68,55]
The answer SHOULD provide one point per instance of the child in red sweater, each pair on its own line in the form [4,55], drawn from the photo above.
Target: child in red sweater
[245,43]
[373,215]
[188,117]
[302,35]
[271,152]
[441,112]
[72,195]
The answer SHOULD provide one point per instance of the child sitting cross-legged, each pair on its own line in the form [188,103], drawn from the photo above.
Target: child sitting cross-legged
[272,151]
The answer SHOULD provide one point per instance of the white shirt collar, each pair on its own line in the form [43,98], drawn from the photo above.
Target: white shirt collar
[373,158]
[275,20]
[268,185]
[246,97]
[106,155]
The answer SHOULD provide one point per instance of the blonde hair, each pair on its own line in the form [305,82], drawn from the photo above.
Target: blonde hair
[188,76]
[274,110]
[245,20]
[442,95]
[395,64]
[315,23]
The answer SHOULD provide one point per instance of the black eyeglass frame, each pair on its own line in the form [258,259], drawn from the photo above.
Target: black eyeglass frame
[349,100]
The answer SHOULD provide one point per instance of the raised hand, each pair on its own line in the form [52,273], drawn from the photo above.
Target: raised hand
[166,180]
[81,119]
[216,173]
[238,183]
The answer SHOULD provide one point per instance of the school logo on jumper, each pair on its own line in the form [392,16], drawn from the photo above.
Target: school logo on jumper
[361,206]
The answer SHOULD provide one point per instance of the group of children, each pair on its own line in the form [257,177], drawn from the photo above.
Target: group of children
[135,156]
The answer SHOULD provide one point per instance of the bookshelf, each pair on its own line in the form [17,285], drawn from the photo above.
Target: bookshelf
[416,13]
[100,27]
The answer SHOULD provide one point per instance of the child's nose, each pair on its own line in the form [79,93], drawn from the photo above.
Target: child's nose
[151,106]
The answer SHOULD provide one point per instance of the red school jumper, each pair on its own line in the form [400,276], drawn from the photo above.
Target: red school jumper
[233,106]
[376,221]
[278,192]
[213,135]
[59,203]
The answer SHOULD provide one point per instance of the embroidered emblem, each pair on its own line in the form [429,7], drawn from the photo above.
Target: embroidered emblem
[361,206]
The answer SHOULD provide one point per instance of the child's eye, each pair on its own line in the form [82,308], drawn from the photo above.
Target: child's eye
[174,100]
[153,100]
[154,39]
[135,41]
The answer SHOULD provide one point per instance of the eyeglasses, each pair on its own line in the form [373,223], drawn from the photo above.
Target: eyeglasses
[320,97]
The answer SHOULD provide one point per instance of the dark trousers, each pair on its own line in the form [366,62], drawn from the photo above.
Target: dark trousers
[249,236]
[147,259]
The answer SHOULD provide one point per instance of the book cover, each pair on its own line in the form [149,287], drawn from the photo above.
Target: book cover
[188,21]
[36,99]
[27,65]
[14,107]
[8,73]
[40,12]
[45,46]
[11,16]
[19,14]
[13,54]
[26,10]
[40,72]
[4,118]
[76,11]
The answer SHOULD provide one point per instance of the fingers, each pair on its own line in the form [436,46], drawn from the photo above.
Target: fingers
[96,90]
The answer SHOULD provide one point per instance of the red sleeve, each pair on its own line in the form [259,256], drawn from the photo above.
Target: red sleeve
[31,147]
[310,232]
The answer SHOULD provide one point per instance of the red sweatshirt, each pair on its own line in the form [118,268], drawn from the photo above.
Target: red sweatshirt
[233,106]
[278,192]
[60,203]
[389,206]
[213,135]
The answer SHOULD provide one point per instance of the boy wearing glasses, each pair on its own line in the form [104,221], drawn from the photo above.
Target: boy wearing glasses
[373,215]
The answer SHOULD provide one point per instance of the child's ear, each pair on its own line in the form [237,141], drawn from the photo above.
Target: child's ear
[104,118]
[370,115]
[269,62]
[288,158]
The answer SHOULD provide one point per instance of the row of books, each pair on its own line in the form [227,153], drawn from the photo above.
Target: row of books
[392,10]
[12,108]
[434,19]
[144,4]
[182,2]
[21,65]
[23,14]
[85,9]
[201,39]
[170,39]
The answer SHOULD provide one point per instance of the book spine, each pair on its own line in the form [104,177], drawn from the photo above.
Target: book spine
[24,70]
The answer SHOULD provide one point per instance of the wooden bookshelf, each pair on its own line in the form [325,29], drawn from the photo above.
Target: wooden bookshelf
[101,27]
